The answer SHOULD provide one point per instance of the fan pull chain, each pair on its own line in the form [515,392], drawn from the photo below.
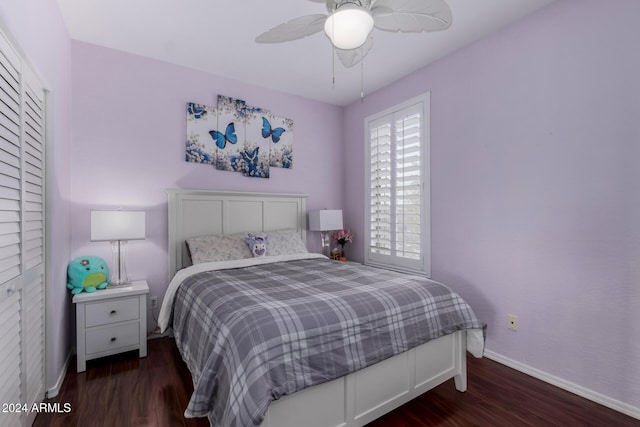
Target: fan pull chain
[333,57]
[361,79]
[333,67]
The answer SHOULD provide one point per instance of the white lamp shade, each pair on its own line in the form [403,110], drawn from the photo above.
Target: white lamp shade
[325,220]
[349,26]
[117,225]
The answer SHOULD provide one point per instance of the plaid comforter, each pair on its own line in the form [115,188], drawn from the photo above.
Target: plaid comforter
[251,335]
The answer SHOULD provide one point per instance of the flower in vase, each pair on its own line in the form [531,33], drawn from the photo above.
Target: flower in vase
[342,237]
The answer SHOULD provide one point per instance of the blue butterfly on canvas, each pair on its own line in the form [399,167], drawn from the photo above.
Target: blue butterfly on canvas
[228,136]
[267,131]
[251,159]
[196,110]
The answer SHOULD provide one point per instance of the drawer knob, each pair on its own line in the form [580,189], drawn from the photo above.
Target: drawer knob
[113,312]
[113,339]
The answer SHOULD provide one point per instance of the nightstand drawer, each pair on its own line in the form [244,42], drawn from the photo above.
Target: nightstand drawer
[106,312]
[111,338]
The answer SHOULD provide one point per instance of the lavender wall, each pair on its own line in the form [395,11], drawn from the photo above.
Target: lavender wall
[535,203]
[38,31]
[129,132]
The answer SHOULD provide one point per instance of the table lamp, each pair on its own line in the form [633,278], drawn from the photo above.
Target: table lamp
[325,220]
[118,227]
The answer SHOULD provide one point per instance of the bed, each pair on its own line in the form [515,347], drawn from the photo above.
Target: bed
[241,388]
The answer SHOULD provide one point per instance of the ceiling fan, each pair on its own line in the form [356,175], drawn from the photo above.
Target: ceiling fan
[349,23]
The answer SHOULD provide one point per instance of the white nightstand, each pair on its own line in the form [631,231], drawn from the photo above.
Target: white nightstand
[111,321]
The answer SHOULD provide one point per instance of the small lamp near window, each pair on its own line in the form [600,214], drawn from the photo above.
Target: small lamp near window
[118,227]
[325,220]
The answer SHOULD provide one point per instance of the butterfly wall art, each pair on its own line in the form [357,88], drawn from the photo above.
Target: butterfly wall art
[234,136]
[229,135]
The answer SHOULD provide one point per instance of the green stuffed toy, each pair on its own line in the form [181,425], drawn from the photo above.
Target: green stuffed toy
[87,273]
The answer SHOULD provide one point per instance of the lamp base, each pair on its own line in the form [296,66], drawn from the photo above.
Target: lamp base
[119,285]
[326,249]
[119,276]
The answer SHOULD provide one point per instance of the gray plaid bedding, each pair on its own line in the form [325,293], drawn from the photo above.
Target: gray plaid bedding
[251,335]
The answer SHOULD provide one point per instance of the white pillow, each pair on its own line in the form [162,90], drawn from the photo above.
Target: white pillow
[284,242]
[218,248]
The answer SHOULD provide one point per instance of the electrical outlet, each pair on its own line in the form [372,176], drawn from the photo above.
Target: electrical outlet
[512,322]
[154,302]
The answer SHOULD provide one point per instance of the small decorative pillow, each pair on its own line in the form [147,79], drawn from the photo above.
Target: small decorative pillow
[257,244]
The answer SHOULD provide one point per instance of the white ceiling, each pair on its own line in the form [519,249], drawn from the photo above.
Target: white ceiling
[218,36]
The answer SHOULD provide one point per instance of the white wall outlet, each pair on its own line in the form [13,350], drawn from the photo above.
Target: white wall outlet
[154,302]
[512,322]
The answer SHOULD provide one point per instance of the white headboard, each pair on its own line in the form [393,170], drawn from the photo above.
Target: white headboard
[195,213]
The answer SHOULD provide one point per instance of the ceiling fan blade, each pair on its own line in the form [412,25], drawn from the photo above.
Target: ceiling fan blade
[294,29]
[350,57]
[411,15]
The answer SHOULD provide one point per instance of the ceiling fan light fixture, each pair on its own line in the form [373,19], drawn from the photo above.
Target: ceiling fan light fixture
[349,26]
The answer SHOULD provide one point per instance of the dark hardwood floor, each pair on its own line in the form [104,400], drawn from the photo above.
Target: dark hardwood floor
[124,390]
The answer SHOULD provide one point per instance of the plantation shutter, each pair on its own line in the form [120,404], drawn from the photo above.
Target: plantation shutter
[408,200]
[21,236]
[398,193]
[381,189]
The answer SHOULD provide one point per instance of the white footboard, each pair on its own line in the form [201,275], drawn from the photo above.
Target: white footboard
[363,396]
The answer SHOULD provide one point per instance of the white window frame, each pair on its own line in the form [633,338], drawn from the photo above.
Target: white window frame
[392,261]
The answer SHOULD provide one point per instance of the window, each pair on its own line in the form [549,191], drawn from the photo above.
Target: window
[397,202]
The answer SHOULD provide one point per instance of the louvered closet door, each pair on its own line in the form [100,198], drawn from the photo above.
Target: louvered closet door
[10,353]
[21,237]
[33,240]
[11,378]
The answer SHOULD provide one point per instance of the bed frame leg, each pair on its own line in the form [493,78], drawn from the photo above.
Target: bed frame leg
[461,362]
[461,382]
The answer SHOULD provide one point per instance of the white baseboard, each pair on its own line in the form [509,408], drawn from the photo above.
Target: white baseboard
[53,391]
[594,396]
